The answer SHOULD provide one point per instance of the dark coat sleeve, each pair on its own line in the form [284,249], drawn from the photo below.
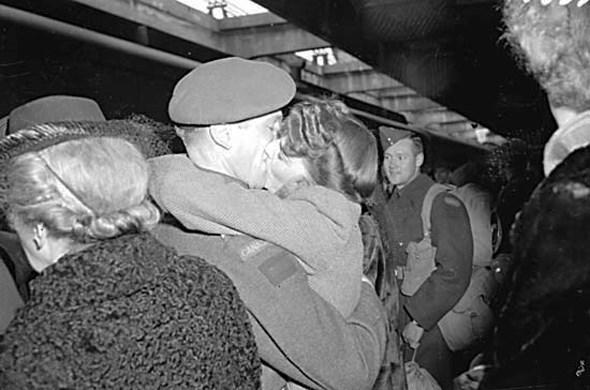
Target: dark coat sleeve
[451,235]
[10,300]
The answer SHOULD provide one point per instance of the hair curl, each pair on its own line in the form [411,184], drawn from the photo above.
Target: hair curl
[339,151]
[552,42]
[87,189]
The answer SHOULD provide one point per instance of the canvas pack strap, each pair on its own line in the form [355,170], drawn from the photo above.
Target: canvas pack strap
[400,271]
[432,193]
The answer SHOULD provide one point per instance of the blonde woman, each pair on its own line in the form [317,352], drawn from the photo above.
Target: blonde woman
[112,307]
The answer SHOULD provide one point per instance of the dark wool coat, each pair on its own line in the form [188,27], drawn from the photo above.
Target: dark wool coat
[130,313]
[15,273]
[450,234]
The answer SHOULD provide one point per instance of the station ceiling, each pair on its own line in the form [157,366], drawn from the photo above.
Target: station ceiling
[449,51]
[436,66]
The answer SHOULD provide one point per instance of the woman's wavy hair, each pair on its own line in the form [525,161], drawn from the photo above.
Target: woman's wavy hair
[552,42]
[340,151]
[85,189]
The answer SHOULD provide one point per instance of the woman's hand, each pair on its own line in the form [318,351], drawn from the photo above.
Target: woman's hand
[412,334]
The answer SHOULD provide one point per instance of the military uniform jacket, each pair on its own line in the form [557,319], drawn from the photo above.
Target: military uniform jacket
[450,234]
[298,333]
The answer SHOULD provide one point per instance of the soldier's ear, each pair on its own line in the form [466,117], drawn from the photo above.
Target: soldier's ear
[221,135]
[40,236]
[419,160]
[180,132]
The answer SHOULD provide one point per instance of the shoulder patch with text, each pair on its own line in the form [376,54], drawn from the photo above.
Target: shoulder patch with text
[252,249]
[278,268]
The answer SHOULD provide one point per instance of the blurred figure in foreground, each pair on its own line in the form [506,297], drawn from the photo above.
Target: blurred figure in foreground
[551,38]
[542,335]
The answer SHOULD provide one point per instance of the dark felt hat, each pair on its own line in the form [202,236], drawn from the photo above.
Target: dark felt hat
[55,108]
[390,135]
[230,90]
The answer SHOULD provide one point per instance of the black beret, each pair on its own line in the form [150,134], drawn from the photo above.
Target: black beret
[230,90]
[390,135]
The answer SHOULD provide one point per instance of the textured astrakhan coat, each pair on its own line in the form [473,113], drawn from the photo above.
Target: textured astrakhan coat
[130,313]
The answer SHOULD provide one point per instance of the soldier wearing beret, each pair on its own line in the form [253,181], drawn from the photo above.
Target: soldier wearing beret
[450,234]
[226,112]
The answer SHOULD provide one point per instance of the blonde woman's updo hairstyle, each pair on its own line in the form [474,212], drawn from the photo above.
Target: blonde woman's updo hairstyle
[86,188]
[339,151]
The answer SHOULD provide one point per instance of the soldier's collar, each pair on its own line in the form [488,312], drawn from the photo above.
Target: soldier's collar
[416,187]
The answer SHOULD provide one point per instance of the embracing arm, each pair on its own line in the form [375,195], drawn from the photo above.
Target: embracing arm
[213,203]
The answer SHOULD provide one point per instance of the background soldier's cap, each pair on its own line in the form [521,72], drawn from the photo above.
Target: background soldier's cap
[55,108]
[230,90]
[389,136]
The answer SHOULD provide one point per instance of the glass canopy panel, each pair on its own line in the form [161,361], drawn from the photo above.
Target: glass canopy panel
[225,8]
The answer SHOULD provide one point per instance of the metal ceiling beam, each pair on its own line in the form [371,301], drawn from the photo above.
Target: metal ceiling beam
[410,103]
[349,82]
[250,21]
[454,127]
[52,26]
[352,75]
[170,17]
[388,93]
[358,78]
[247,36]
[347,67]
[243,38]
[428,117]
[359,81]
[367,98]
